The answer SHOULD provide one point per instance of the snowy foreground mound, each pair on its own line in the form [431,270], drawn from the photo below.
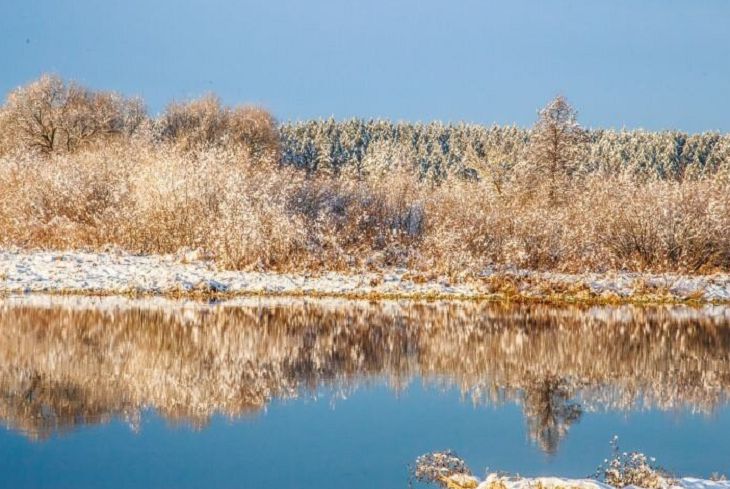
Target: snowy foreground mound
[626,471]
[123,273]
[494,481]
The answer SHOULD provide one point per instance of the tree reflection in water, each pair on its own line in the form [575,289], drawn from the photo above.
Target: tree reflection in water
[63,366]
[550,411]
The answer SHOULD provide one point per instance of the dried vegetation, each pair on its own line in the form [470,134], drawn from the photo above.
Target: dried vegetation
[87,169]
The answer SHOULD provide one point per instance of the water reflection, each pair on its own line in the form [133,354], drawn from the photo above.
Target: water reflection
[61,367]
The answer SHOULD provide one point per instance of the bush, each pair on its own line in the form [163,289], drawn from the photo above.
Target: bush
[205,123]
[195,124]
[632,469]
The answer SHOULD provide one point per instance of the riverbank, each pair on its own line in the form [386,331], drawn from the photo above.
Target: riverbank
[189,275]
[626,470]
[495,481]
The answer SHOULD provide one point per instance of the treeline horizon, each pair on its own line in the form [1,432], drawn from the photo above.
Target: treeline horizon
[331,145]
[90,169]
[441,149]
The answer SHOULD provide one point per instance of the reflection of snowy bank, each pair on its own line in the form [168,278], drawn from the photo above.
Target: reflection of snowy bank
[122,273]
[71,360]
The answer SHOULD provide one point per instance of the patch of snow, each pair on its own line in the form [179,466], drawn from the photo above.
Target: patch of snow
[122,273]
[495,481]
[190,272]
[692,483]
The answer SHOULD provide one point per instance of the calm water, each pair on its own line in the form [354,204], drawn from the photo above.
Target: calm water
[290,394]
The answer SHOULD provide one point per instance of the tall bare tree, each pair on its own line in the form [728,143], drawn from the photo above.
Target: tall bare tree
[557,142]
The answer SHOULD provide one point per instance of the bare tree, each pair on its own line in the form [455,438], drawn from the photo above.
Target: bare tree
[50,115]
[31,113]
[556,142]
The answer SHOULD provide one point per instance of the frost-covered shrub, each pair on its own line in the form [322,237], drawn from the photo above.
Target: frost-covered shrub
[439,468]
[212,201]
[662,224]
[194,124]
[355,222]
[255,129]
[632,469]
[75,201]
[204,123]
[252,227]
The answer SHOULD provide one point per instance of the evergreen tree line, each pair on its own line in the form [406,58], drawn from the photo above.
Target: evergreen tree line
[471,151]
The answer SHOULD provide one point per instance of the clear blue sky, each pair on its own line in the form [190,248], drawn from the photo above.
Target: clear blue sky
[654,64]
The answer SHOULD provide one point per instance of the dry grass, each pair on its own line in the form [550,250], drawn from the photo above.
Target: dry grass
[210,177]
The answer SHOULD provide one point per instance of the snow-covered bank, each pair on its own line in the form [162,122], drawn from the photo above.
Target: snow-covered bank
[123,273]
[495,481]
[626,471]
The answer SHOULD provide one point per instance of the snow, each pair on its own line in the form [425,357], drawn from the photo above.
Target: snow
[123,273]
[496,481]
[116,272]
[692,483]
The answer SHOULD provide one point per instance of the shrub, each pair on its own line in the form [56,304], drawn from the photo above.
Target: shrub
[440,467]
[204,123]
[255,129]
[632,469]
[195,124]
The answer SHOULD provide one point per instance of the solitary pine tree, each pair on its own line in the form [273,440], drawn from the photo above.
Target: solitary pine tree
[556,142]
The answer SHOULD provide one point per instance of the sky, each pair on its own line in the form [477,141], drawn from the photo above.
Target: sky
[652,64]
